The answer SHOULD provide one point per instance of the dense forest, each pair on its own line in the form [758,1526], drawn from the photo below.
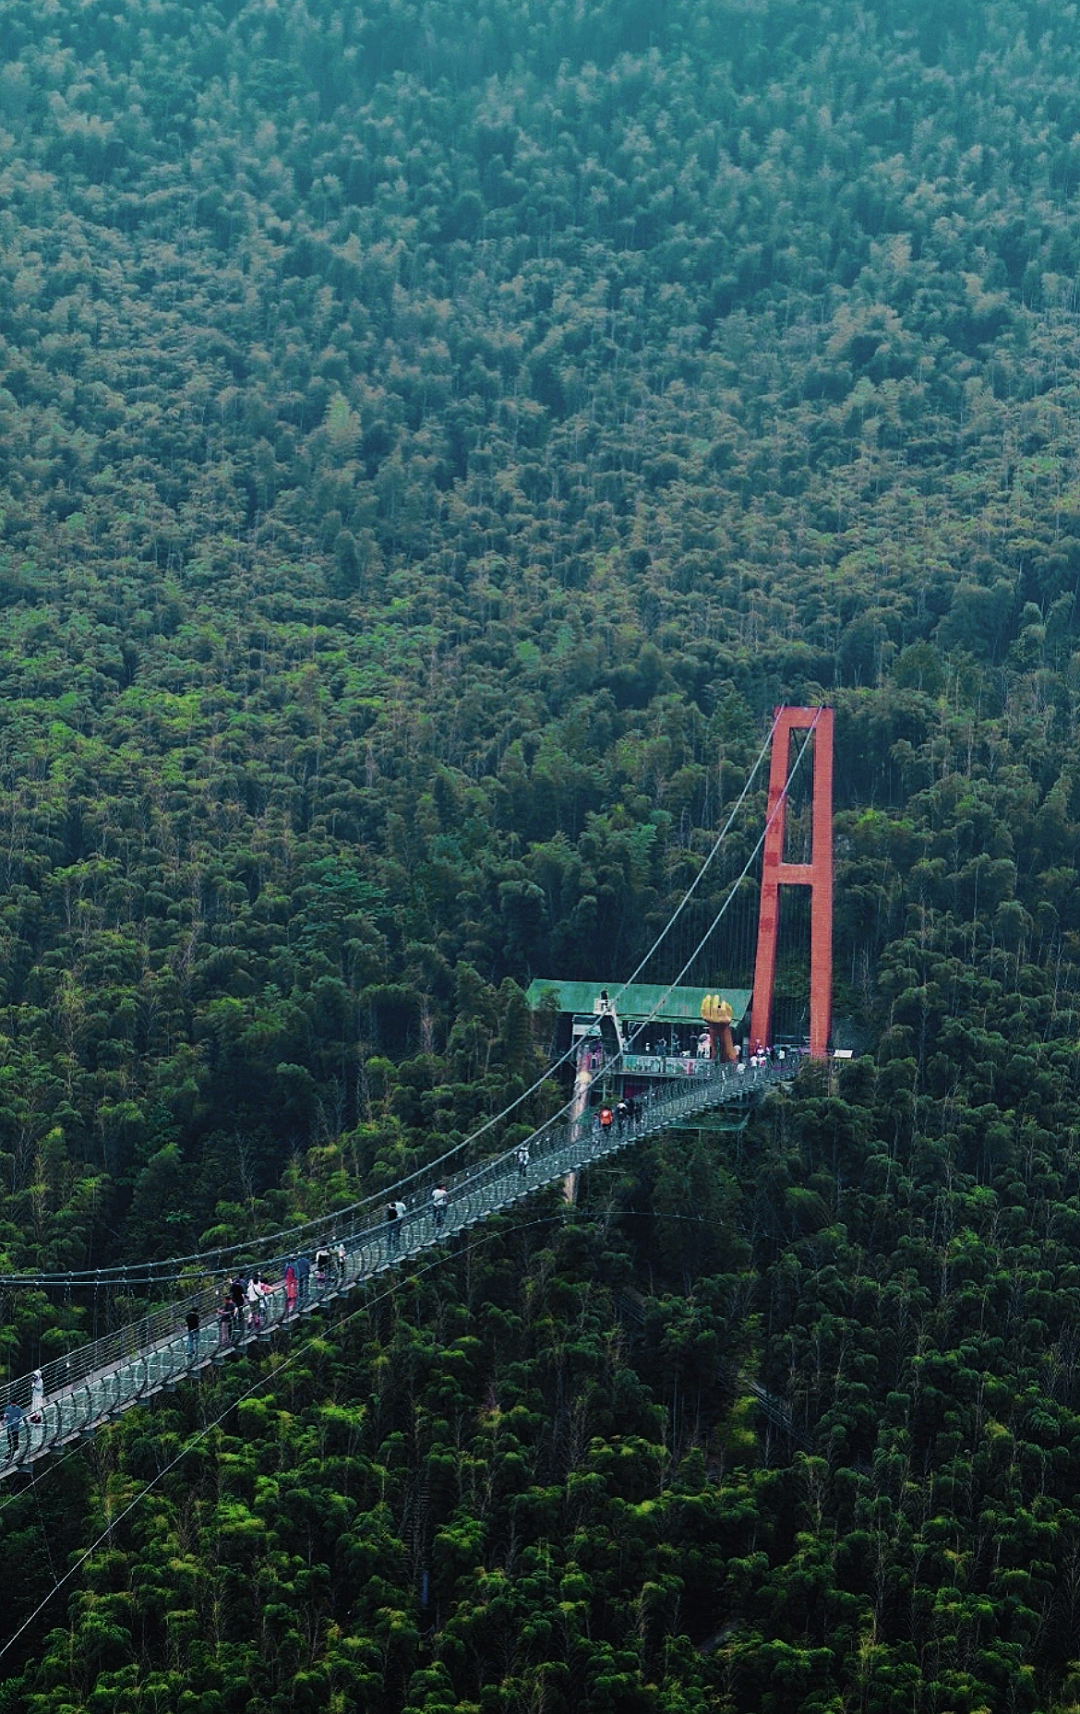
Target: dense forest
[430,445]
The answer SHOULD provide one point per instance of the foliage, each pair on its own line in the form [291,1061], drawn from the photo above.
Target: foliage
[428,454]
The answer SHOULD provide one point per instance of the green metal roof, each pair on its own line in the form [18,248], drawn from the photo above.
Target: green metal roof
[639,1000]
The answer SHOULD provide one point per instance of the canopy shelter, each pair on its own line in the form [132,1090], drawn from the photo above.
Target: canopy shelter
[638,1001]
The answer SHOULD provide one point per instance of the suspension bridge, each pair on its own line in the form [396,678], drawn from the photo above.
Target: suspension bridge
[73,1395]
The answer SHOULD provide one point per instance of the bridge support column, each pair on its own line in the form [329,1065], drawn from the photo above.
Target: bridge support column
[817,875]
[579,1106]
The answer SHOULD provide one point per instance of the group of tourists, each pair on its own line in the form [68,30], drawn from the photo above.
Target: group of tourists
[617,1118]
[328,1267]
[684,1045]
[681,1044]
[244,1308]
[396,1212]
[762,1056]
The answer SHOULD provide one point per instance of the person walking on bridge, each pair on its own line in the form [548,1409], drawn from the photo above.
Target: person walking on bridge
[191,1322]
[37,1396]
[440,1196]
[255,1303]
[393,1224]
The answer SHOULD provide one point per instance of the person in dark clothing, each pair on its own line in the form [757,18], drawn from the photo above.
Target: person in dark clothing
[393,1235]
[191,1322]
[13,1419]
[225,1318]
[303,1277]
[237,1295]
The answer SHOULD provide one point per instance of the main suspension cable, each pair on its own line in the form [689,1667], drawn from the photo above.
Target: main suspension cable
[173,1269]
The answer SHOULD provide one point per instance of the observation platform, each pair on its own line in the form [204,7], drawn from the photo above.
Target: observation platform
[662,1025]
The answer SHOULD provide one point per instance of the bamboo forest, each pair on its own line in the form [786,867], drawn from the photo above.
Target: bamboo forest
[434,440]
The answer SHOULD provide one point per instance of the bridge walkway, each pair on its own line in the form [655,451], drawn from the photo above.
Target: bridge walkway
[97,1382]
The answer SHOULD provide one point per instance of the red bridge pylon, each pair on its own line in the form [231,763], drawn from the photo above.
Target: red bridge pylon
[817,875]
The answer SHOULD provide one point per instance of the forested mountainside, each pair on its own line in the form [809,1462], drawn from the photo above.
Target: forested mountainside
[430,445]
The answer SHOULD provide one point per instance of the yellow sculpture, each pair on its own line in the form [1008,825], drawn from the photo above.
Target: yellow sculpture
[718,1015]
